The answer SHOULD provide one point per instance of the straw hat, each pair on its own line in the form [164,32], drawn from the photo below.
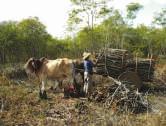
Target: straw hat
[86,55]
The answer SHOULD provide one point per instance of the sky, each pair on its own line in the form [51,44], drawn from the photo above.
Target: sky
[54,13]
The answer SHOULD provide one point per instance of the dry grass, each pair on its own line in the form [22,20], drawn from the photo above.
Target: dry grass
[23,107]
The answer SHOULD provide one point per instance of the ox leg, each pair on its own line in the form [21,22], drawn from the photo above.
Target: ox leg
[54,86]
[42,92]
[66,92]
[57,86]
[60,83]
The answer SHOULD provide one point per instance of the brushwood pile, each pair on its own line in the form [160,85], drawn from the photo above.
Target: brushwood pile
[121,98]
[113,62]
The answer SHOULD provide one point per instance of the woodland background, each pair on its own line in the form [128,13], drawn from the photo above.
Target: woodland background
[92,25]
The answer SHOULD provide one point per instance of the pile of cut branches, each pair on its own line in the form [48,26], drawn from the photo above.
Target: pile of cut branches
[144,68]
[113,62]
[121,97]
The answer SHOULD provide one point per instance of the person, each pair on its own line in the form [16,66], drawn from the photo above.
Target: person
[88,71]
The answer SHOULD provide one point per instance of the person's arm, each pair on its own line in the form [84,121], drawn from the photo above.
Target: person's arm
[93,67]
[94,64]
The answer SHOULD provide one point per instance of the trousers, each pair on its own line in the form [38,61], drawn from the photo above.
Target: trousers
[87,83]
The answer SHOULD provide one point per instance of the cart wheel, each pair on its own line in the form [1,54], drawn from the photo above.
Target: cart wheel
[132,78]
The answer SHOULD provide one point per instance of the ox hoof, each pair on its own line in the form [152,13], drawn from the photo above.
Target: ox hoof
[66,96]
[43,95]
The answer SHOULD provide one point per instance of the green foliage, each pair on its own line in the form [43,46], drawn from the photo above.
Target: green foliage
[33,35]
[132,10]
[87,11]
[8,41]
[160,18]
[57,48]
[29,38]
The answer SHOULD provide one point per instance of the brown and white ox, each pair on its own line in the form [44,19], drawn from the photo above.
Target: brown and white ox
[60,70]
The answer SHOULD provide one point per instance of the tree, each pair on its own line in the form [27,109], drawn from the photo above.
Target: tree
[132,10]
[8,41]
[33,35]
[58,48]
[84,40]
[160,18]
[87,12]
[113,30]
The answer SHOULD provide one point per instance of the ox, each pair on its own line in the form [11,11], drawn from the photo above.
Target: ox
[61,70]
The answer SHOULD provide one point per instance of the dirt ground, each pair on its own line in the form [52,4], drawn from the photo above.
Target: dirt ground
[21,106]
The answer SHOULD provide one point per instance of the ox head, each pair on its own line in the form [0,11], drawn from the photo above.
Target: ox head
[29,66]
[33,65]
